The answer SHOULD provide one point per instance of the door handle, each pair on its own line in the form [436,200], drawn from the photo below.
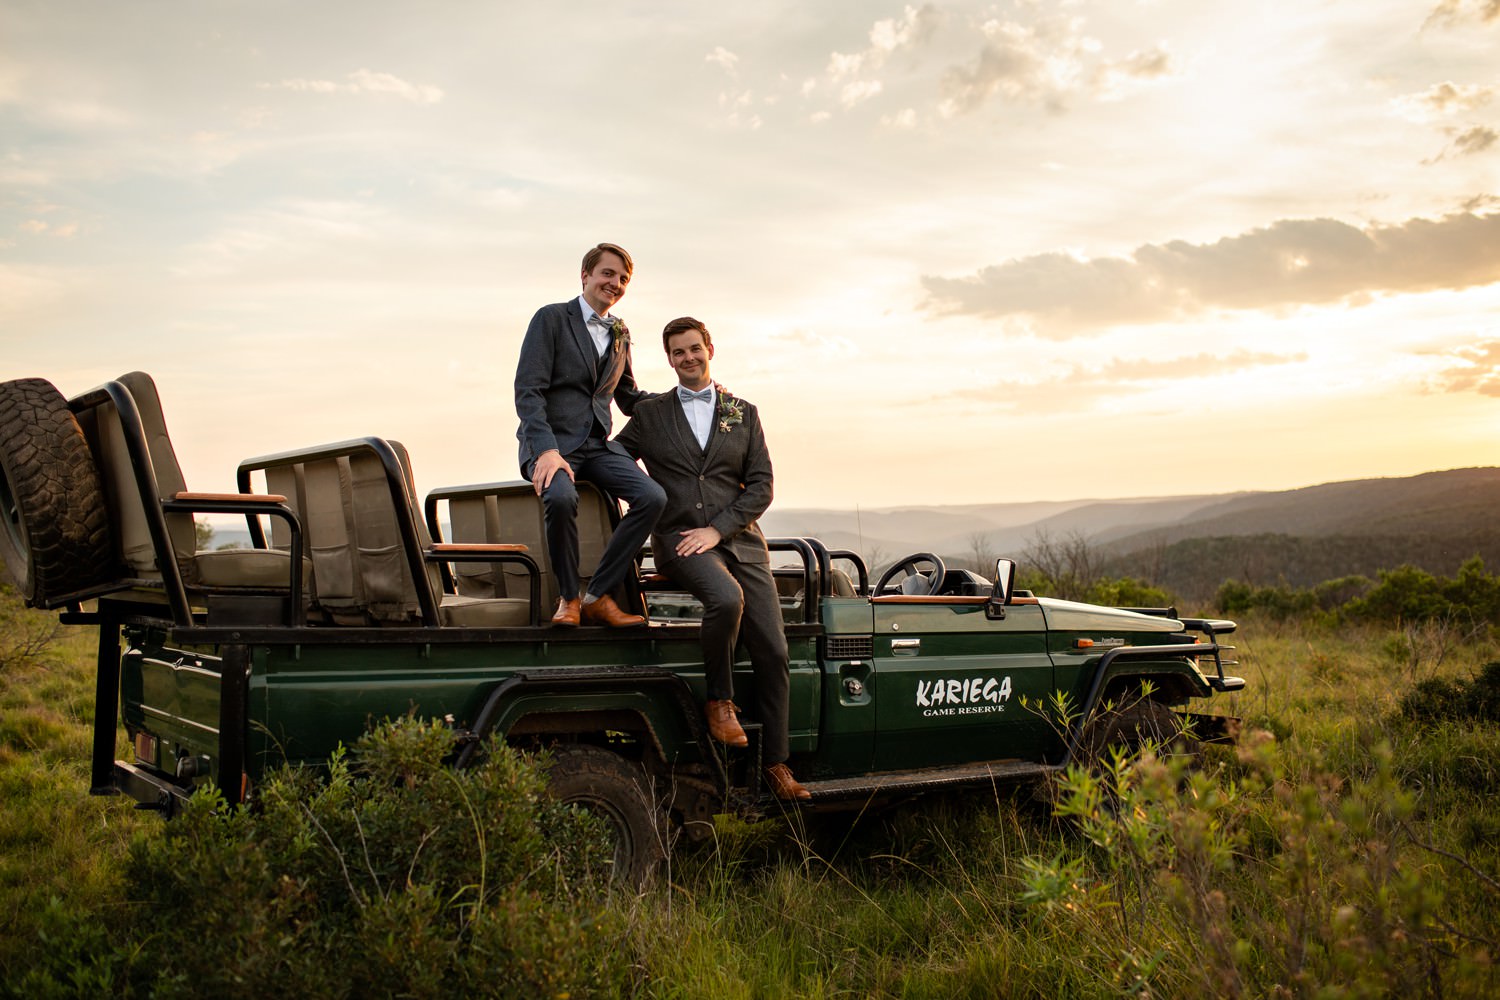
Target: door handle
[906,647]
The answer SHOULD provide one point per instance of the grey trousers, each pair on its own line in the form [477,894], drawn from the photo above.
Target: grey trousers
[740,602]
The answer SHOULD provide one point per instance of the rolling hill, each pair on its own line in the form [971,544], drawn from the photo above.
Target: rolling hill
[1190,544]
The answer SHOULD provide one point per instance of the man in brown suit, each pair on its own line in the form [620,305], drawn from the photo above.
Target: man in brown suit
[707,450]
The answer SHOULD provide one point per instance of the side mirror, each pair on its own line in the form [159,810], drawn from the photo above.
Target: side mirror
[1005,582]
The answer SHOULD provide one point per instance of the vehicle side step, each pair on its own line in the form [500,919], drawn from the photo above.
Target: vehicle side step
[924,779]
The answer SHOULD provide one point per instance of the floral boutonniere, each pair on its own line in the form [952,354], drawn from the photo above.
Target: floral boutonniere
[619,333]
[731,410]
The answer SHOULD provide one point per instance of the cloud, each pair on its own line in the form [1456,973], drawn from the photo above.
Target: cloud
[858,92]
[1117,378]
[852,74]
[1114,79]
[1443,100]
[1474,140]
[915,26]
[40,227]
[1016,62]
[1289,263]
[723,58]
[1473,368]
[1466,142]
[1048,63]
[737,104]
[1454,11]
[364,81]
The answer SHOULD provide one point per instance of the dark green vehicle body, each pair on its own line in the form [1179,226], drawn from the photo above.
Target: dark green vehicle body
[888,694]
[931,681]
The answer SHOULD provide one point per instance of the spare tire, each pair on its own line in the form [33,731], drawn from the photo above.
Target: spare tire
[54,528]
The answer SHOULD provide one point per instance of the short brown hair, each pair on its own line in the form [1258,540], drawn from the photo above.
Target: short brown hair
[591,259]
[682,325]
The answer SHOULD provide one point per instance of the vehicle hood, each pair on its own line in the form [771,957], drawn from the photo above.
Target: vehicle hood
[1071,616]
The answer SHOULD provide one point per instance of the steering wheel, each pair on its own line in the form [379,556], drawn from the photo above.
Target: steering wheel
[908,566]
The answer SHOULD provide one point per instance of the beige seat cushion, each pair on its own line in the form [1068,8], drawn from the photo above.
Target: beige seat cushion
[246,568]
[483,612]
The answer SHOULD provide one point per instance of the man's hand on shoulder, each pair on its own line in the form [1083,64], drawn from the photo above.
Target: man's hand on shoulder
[547,465]
[698,540]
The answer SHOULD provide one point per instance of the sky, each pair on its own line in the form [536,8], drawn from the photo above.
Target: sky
[955,252]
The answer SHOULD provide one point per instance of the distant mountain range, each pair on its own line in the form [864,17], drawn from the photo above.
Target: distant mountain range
[1191,544]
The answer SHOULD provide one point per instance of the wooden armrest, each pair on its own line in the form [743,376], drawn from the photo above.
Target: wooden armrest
[230,497]
[478,548]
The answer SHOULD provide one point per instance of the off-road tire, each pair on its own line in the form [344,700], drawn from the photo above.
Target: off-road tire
[623,794]
[1134,726]
[54,528]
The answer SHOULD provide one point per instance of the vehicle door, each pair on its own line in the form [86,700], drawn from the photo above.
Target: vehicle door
[951,676]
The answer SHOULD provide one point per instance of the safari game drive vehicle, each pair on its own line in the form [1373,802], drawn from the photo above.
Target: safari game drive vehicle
[352,605]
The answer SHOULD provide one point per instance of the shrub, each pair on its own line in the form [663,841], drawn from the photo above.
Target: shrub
[1408,594]
[1304,882]
[24,634]
[442,883]
[1127,592]
[1441,699]
[1279,602]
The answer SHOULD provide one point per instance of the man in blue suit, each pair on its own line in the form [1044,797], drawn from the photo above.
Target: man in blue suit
[574,361]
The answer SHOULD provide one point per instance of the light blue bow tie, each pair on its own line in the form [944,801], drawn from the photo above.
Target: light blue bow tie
[601,321]
[687,395]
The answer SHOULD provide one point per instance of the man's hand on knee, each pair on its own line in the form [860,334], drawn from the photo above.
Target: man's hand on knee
[698,540]
[547,465]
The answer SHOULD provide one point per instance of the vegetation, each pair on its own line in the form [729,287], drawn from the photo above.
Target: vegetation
[1195,567]
[1349,846]
[440,882]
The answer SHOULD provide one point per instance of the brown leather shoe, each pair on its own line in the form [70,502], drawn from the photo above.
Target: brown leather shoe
[783,785]
[723,726]
[604,611]
[567,612]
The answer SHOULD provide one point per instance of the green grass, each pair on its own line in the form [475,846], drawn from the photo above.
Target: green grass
[1344,849]
[60,848]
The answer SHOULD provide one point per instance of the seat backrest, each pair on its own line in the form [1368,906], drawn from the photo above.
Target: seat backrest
[351,509]
[106,429]
[326,508]
[477,519]
[841,584]
[384,569]
[516,516]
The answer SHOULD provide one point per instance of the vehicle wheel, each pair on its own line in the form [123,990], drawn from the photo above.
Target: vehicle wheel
[54,528]
[1135,726]
[624,795]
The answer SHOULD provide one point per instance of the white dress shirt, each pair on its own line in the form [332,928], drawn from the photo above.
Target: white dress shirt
[699,413]
[598,326]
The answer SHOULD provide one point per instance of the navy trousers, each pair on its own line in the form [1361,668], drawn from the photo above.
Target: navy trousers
[619,478]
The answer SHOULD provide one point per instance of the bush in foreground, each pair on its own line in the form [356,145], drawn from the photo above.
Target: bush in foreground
[394,875]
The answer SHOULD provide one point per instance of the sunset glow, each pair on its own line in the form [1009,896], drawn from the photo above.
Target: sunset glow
[955,252]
